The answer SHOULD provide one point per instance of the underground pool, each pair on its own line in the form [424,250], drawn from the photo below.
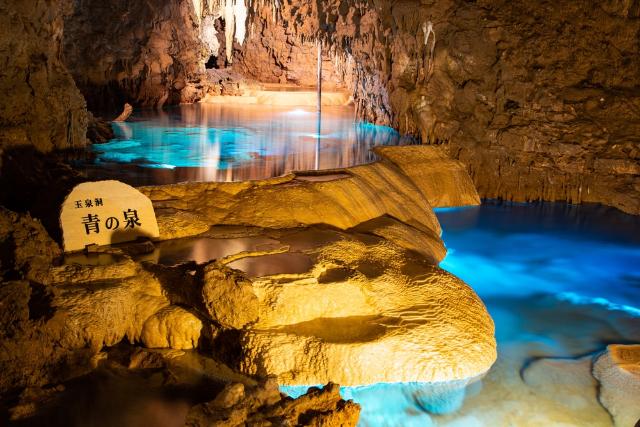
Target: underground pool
[211,142]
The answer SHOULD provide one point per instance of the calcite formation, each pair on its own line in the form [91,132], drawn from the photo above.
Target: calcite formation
[172,327]
[364,314]
[344,300]
[442,181]
[343,199]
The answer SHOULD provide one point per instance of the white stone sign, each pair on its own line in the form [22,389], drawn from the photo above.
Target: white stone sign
[106,212]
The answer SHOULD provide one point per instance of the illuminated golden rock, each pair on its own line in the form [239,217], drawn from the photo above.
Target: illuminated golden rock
[172,327]
[618,371]
[181,224]
[344,199]
[443,181]
[368,312]
[104,312]
[228,297]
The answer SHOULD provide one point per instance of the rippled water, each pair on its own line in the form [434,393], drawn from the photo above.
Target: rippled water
[205,142]
[559,281]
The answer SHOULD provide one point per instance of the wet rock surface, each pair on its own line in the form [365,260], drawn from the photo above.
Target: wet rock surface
[343,199]
[618,372]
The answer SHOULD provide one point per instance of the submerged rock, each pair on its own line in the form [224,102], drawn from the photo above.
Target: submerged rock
[618,371]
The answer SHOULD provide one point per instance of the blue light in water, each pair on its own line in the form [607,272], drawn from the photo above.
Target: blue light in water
[243,142]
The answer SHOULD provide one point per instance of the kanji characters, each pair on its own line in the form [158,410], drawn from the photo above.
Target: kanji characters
[131,217]
[91,223]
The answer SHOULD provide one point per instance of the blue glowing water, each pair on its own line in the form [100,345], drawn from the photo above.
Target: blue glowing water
[206,142]
[519,254]
[558,280]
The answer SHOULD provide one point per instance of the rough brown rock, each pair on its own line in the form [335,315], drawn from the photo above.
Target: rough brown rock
[143,52]
[237,405]
[26,250]
[98,130]
[515,90]
[39,102]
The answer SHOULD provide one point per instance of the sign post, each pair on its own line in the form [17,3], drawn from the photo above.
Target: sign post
[104,213]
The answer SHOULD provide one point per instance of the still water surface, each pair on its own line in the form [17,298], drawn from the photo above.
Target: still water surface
[207,142]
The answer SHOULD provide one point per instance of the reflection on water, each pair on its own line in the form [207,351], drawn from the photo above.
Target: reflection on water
[267,265]
[206,142]
[573,253]
[204,249]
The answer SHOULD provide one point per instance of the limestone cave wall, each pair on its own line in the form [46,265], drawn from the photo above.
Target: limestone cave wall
[147,53]
[540,100]
[40,105]
[280,51]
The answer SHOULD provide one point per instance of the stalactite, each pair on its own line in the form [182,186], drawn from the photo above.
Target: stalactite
[229,29]
[240,15]
[197,5]
[209,34]
[427,29]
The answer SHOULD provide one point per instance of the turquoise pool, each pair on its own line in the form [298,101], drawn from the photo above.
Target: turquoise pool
[207,142]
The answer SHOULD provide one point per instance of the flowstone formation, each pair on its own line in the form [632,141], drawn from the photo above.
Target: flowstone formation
[344,286]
